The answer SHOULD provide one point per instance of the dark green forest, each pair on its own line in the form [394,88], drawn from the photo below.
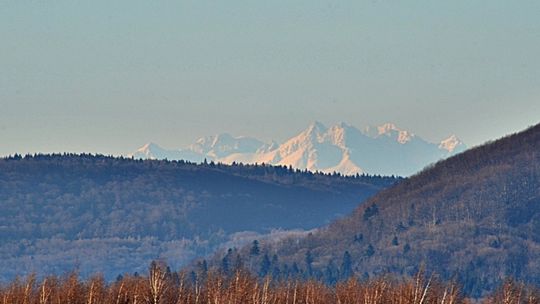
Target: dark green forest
[112,214]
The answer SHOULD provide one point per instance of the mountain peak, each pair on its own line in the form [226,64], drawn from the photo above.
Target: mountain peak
[223,145]
[210,141]
[343,125]
[316,126]
[149,146]
[391,130]
[387,127]
[222,138]
[340,147]
[338,134]
[451,144]
[154,151]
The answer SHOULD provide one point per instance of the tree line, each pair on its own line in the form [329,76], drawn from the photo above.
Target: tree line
[160,285]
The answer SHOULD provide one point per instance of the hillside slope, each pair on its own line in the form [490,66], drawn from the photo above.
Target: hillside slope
[475,216]
[113,215]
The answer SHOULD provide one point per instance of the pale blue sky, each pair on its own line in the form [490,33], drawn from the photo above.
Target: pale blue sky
[108,76]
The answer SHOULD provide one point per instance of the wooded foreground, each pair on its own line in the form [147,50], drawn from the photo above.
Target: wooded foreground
[160,286]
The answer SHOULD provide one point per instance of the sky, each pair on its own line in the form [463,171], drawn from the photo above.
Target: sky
[108,76]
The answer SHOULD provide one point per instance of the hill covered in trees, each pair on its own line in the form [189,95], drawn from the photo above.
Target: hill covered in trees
[474,217]
[104,214]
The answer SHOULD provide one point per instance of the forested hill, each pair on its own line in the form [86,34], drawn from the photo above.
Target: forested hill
[106,214]
[474,217]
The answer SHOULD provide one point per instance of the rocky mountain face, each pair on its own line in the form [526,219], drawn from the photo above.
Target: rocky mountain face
[385,150]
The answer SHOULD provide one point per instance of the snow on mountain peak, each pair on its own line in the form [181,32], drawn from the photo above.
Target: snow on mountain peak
[451,144]
[345,166]
[149,150]
[316,127]
[223,138]
[383,149]
[404,136]
[387,128]
[148,146]
[268,148]
[221,145]
[390,130]
[313,134]
[344,125]
[154,151]
[337,134]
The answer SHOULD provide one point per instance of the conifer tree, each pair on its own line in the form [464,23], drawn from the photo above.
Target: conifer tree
[346,270]
[265,266]
[255,250]
[309,262]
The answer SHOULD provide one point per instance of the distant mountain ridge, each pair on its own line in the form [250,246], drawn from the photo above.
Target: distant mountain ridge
[386,150]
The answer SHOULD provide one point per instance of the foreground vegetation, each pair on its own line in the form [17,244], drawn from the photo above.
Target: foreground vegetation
[161,286]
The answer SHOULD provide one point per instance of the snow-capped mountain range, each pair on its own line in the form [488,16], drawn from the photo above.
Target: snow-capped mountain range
[384,150]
